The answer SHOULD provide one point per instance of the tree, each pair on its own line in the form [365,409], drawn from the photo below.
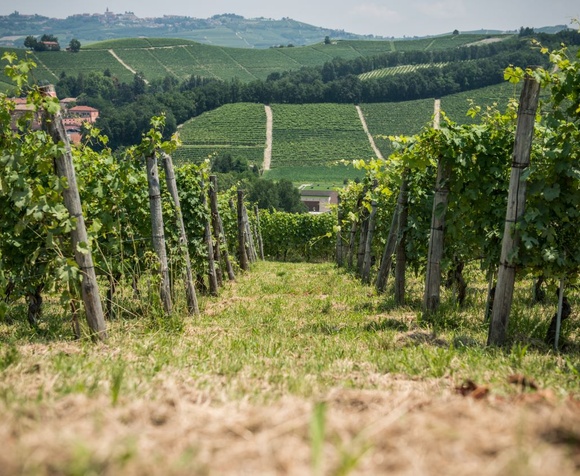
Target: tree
[74,45]
[139,84]
[30,42]
[456,32]
[327,40]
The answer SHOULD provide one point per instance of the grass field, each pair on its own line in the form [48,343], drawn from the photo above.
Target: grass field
[294,369]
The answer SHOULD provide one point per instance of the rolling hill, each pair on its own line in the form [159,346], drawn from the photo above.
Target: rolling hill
[156,58]
[310,141]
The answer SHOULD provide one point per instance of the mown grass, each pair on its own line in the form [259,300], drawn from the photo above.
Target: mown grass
[283,329]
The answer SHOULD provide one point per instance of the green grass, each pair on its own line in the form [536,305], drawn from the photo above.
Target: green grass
[297,350]
[316,177]
[308,319]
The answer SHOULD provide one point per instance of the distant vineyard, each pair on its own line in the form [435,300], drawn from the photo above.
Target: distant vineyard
[317,134]
[309,140]
[408,68]
[158,57]
[401,118]
[236,129]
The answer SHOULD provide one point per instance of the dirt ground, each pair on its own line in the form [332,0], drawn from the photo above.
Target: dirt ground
[404,427]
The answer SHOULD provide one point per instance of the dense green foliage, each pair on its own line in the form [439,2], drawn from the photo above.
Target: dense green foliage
[478,157]
[291,236]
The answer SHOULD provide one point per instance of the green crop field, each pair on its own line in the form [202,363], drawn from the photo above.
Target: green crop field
[158,57]
[317,134]
[402,69]
[396,118]
[457,105]
[238,129]
[310,141]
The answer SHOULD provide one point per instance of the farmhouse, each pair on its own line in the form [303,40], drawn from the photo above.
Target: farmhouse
[73,116]
[51,45]
[319,201]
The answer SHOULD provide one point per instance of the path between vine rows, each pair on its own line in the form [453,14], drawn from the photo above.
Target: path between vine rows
[402,426]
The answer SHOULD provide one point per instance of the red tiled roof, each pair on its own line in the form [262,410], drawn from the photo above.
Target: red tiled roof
[83,108]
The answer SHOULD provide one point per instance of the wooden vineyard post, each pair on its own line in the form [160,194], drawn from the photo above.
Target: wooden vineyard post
[351,243]
[72,201]
[431,298]
[387,258]
[259,232]
[157,230]
[515,209]
[400,252]
[362,241]
[243,256]
[366,267]
[191,296]
[251,248]
[213,282]
[339,243]
[215,226]
[218,227]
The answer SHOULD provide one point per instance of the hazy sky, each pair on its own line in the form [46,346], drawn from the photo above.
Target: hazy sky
[379,17]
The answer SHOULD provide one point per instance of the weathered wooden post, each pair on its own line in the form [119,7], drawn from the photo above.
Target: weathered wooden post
[432,296]
[387,258]
[251,249]
[72,201]
[339,243]
[242,253]
[366,267]
[259,232]
[515,209]
[401,252]
[351,243]
[192,304]
[157,230]
[213,283]
[218,227]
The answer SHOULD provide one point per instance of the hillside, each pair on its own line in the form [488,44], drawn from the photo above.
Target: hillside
[222,30]
[309,141]
[156,58]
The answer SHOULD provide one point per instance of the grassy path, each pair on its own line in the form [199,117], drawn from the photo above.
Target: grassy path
[293,362]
